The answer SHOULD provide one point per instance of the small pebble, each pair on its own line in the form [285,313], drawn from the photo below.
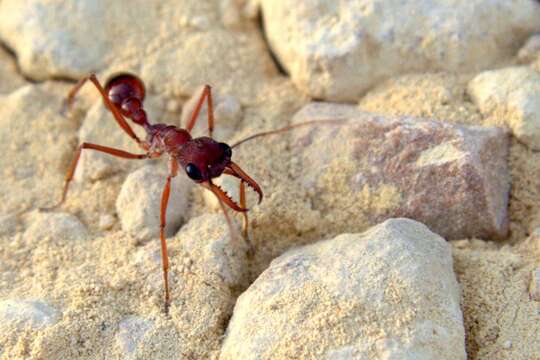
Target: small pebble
[507,344]
[106,221]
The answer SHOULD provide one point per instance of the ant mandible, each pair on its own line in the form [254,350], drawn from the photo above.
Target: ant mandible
[202,158]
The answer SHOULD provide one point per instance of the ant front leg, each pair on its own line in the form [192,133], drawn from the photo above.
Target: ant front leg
[206,94]
[108,150]
[163,222]
[112,108]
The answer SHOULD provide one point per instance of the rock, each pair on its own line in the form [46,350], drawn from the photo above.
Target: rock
[513,95]
[387,293]
[139,202]
[227,114]
[131,332]
[55,226]
[99,127]
[452,178]
[23,314]
[496,304]
[174,48]
[106,221]
[10,79]
[338,50]
[39,141]
[529,52]
[207,240]
[534,287]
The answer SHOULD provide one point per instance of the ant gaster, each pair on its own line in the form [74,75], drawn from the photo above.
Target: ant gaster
[203,159]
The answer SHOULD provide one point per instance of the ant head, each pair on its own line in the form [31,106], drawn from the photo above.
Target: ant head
[204,159]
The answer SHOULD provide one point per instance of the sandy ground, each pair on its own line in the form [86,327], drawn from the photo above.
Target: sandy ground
[97,276]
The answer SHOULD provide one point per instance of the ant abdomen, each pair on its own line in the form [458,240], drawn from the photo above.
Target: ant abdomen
[127,92]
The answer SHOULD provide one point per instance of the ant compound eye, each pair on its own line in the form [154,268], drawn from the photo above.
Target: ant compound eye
[193,172]
[227,151]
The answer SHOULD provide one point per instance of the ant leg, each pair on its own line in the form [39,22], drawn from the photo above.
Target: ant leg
[112,108]
[108,150]
[207,93]
[245,224]
[163,223]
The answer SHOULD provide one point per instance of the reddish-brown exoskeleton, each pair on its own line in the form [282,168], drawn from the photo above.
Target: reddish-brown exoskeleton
[202,158]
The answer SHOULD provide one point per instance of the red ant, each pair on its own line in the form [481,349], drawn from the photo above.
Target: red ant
[202,158]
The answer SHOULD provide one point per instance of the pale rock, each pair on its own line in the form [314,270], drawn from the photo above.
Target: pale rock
[513,95]
[389,292]
[106,221]
[207,240]
[336,50]
[131,332]
[10,79]
[370,167]
[534,287]
[57,226]
[530,51]
[227,114]
[174,47]
[39,142]
[139,202]
[99,127]
[22,314]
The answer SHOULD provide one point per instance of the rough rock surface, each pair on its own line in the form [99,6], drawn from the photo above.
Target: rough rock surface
[336,50]
[389,292]
[513,94]
[452,178]
[139,202]
[530,51]
[207,239]
[171,44]
[9,78]
[36,141]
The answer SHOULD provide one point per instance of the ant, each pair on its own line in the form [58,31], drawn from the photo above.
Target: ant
[202,158]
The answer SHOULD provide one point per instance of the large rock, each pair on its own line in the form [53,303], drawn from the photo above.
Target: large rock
[10,79]
[511,95]
[336,50]
[175,46]
[452,178]
[139,202]
[37,143]
[387,293]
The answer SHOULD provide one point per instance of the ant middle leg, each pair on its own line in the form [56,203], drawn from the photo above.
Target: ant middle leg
[112,108]
[105,149]
[206,94]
